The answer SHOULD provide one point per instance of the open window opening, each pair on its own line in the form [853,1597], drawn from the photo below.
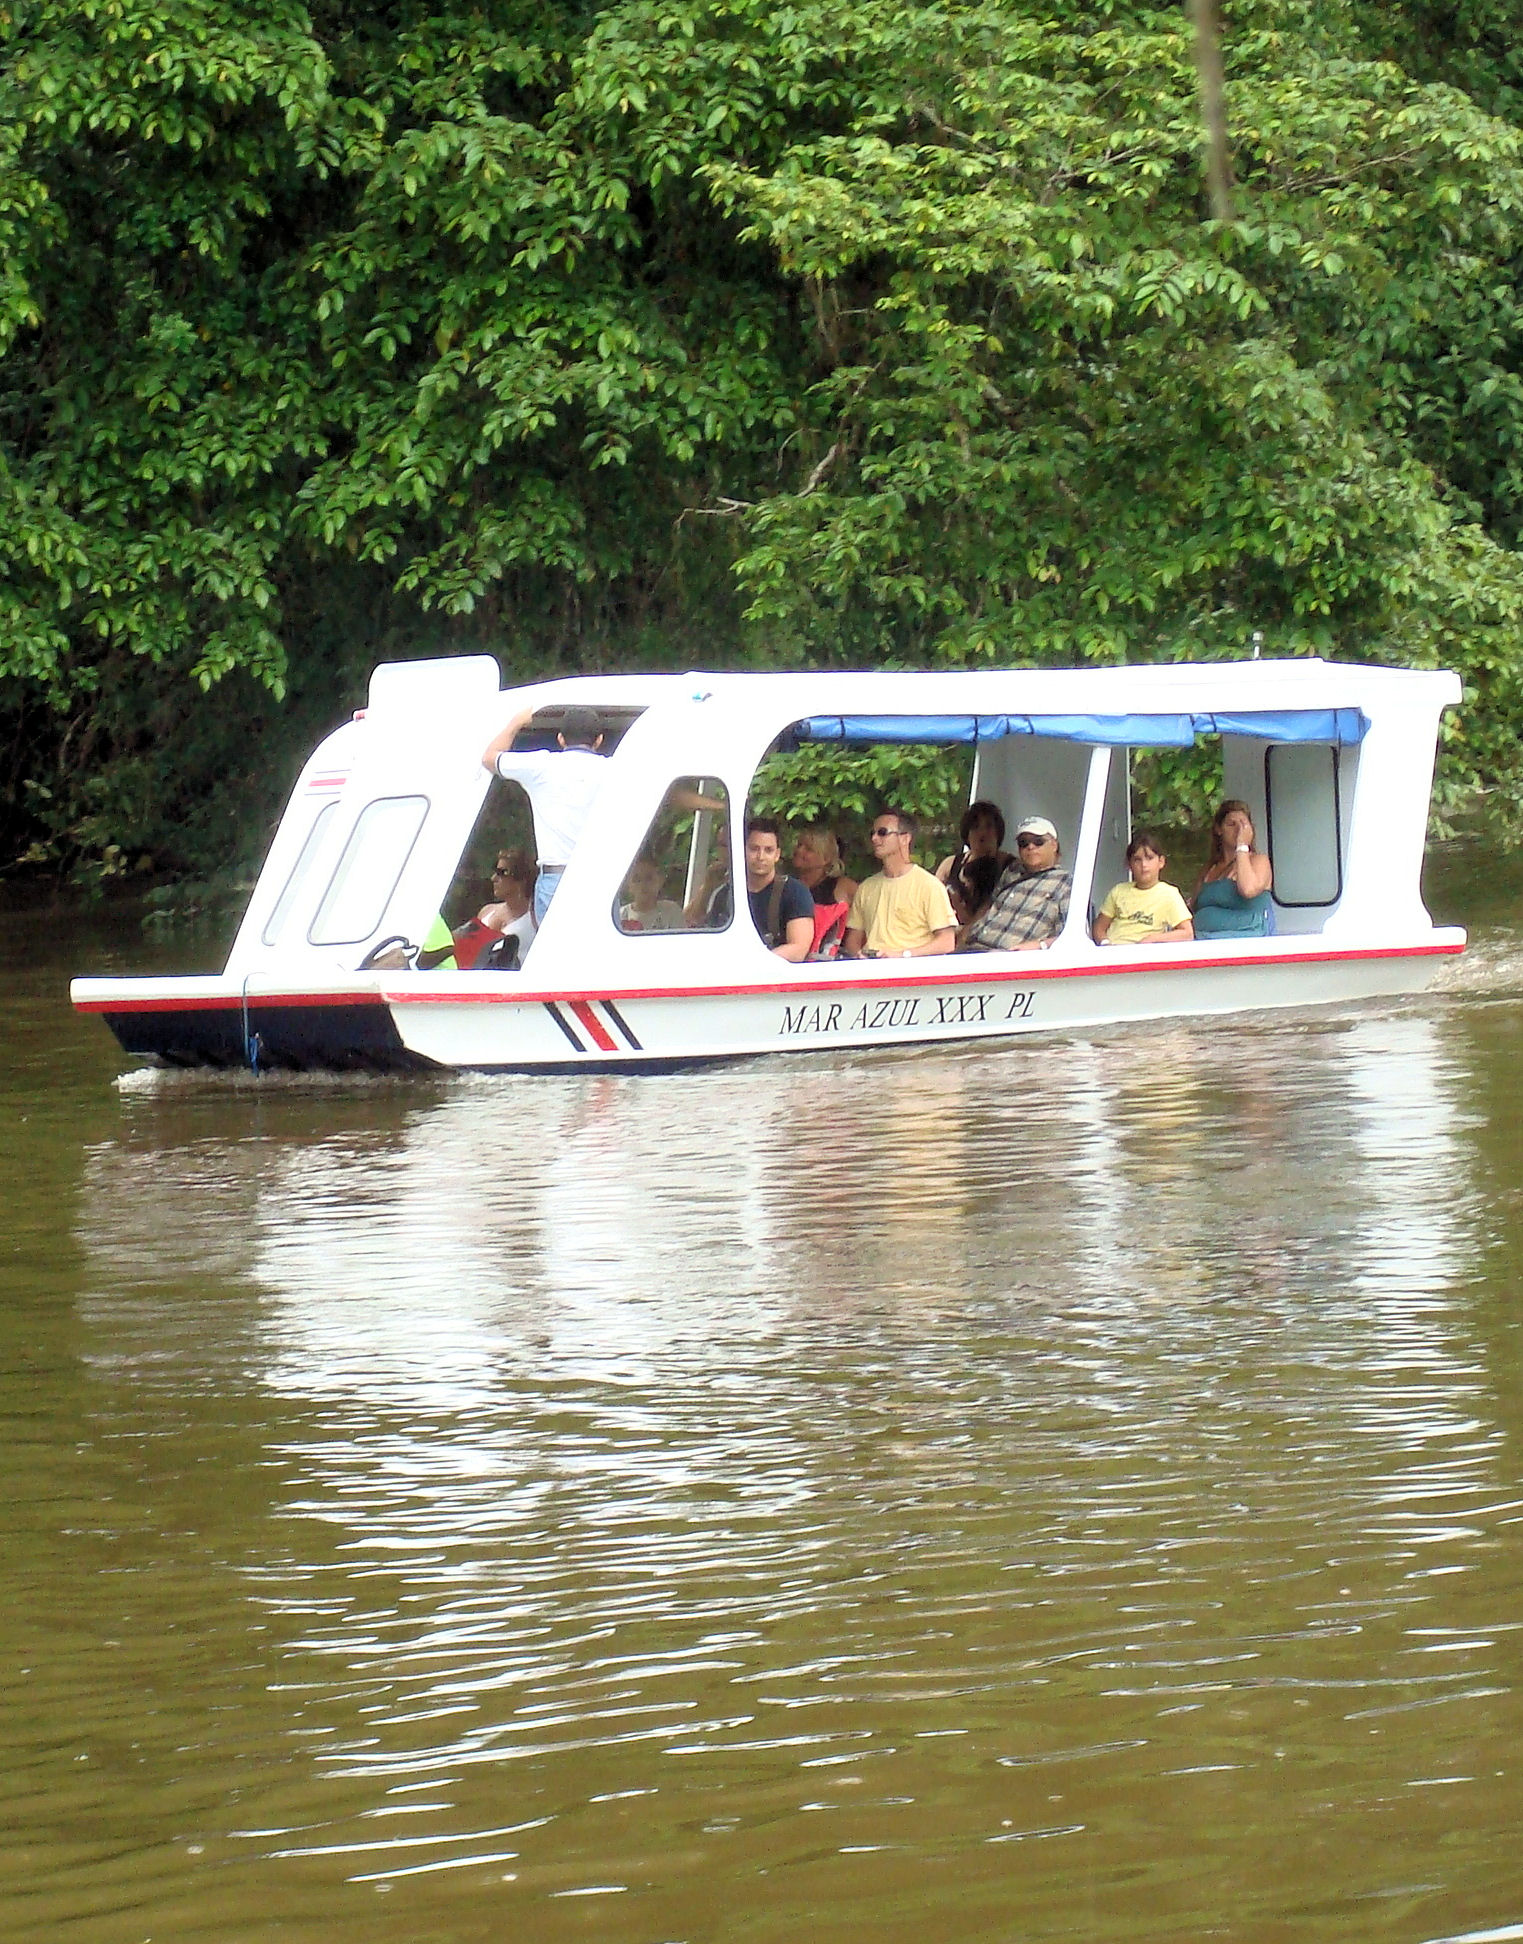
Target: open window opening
[831,791]
[485,903]
[1297,791]
[504,829]
[1293,769]
[543,731]
[680,877]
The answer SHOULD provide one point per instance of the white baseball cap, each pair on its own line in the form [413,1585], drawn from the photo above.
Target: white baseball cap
[1036,827]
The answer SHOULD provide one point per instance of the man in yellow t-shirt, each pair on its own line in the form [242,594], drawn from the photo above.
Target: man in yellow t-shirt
[1145,911]
[901,911]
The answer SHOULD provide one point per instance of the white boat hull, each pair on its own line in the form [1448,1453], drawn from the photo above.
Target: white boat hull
[507,1023]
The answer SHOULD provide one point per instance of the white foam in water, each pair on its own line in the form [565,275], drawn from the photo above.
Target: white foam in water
[1505,1935]
[159,1080]
[1491,963]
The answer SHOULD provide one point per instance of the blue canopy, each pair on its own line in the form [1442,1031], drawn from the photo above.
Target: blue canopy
[1340,726]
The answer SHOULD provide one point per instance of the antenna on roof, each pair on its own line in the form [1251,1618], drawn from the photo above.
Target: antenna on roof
[1257,638]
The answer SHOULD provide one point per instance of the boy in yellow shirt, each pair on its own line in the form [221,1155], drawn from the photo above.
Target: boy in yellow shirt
[1144,911]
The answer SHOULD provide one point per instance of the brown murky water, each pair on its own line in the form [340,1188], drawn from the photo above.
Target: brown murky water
[1074,1491]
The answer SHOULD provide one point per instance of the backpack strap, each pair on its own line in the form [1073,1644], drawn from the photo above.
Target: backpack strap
[775,909]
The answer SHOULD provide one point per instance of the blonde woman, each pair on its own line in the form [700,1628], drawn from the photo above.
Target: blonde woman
[816,864]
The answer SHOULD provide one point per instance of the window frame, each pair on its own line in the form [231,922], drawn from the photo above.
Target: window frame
[350,842]
[1334,750]
[684,930]
[301,869]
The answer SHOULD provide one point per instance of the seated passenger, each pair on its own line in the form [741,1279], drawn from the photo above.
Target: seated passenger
[816,863]
[513,877]
[901,911]
[1144,910]
[712,904]
[509,915]
[645,909]
[437,952]
[972,871]
[781,909]
[971,888]
[1232,895]
[1030,904]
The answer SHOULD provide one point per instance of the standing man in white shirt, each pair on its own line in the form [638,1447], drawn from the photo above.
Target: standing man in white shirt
[562,785]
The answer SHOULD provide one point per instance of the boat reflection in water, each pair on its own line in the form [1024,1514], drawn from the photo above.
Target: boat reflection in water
[617,1226]
[665,1456]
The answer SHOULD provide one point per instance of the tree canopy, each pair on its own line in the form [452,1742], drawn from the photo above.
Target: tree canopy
[714,330]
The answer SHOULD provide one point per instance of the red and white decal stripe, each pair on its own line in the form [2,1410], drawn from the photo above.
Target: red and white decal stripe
[335,780]
[584,1025]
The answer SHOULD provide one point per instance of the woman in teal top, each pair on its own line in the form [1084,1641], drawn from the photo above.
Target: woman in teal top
[1232,896]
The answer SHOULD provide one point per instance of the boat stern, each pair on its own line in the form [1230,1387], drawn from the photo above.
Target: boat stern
[221,1022]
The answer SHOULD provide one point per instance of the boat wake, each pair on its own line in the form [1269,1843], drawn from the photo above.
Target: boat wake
[1491,966]
[159,1081]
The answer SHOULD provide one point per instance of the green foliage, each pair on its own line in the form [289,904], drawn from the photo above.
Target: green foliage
[1177,789]
[712,331]
[842,788]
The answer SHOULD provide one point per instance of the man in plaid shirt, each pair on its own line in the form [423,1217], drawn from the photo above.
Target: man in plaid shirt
[1030,903]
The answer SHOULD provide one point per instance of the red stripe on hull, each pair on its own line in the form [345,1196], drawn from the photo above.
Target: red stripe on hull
[228,1002]
[591,1024]
[963,968]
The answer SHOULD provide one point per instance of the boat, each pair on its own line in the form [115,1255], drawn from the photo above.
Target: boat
[393,821]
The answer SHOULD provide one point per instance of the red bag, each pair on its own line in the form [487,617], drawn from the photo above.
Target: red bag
[829,930]
[471,940]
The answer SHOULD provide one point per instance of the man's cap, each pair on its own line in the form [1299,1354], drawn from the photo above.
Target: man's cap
[1036,827]
[581,726]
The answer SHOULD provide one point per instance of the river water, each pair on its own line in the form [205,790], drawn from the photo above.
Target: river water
[1066,1491]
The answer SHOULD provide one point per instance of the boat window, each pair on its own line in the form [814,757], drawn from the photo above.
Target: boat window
[378,848]
[1303,815]
[301,872]
[503,824]
[679,877]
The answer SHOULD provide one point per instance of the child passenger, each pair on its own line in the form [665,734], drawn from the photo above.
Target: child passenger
[1144,911]
[645,909]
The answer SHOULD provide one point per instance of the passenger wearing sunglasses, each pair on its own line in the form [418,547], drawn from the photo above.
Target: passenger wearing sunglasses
[511,909]
[1030,904]
[901,911]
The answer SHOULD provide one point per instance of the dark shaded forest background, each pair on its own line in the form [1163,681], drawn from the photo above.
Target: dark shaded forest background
[666,334]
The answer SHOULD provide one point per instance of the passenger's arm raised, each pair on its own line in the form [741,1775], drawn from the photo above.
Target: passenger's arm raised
[505,738]
[1250,871]
[695,800]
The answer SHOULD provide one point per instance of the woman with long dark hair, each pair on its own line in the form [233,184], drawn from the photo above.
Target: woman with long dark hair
[979,862]
[1232,893]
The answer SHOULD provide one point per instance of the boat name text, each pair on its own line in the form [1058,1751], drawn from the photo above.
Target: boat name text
[915,1009]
